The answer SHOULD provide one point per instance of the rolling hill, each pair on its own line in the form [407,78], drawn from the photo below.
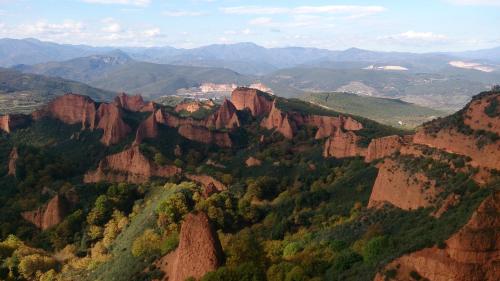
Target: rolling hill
[385,111]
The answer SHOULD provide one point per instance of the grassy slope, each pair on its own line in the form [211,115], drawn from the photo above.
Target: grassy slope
[24,92]
[385,111]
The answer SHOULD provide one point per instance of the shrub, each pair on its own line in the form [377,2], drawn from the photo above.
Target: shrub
[30,265]
[376,247]
[148,243]
[292,249]
[170,243]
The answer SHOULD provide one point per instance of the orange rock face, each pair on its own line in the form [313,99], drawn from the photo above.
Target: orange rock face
[132,103]
[401,188]
[209,184]
[147,129]
[259,103]
[454,142]
[342,144]
[110,120]
[383,147]
[50,214]
[279,121]
[13,156]
[128,166]
[252,161]
[199,250]
[12,121]
[226,117]
[204,135]
[71,109]
[476,117]
[471,254]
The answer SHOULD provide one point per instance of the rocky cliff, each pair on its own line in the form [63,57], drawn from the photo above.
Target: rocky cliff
[401,188]
[128,166]
[76,109]
[208,183]
[199,250]
[204,135]
[132,103]
[71,109]
[148,129]
[278,121]
[471,254]
[50,214]
[259,103]
[483,113]
[13,121]
[111,121]
[13,156]
[343,144]
[383,147]
[226,117]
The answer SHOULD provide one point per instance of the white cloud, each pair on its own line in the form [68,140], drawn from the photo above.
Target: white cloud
[111,26]
[475,2]
[43,27]
[153,32]
[424,36]
[141,3]
[350,10]
[182,13]
[261,21]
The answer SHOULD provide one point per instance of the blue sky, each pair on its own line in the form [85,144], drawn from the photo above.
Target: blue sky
[404,25]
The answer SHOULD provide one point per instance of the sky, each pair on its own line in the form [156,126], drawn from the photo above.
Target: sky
[385,25]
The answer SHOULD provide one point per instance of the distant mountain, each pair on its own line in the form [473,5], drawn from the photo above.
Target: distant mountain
[492,54]
[386,111]
[20,92]
[32,51]
[116,71]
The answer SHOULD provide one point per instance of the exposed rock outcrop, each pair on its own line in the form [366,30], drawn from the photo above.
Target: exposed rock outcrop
[199,250]
[209,184]
[471,254]
[132,103]
[71,109]
[259,103]
[204,135]
[226,117]
[128,166]
[148,129]
[450,201]
[383,147]
[278,121]
[475,113]
[13,121]
[252,161]
[401,188]
[77,109]
[110,120]
[343,144]
[193,106]
[50,214]
[450,140]
[13,156]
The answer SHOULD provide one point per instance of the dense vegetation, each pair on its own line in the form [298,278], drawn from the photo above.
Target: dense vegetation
[296,216]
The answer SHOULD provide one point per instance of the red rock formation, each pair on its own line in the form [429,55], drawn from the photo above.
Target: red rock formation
[204,135]
[132,103]
[225,117]
[450,201]
[50,214]
[110,120]
[454,142]
[199,250]
[128,166]
[252,161]
[472,254]
[12,162]
[193,106]
[476,118]
[383,147]
[342,144]
[209,184]
[147,129]
[71,109]
[12,121]
[278,121]
[401,188]
[259,103]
